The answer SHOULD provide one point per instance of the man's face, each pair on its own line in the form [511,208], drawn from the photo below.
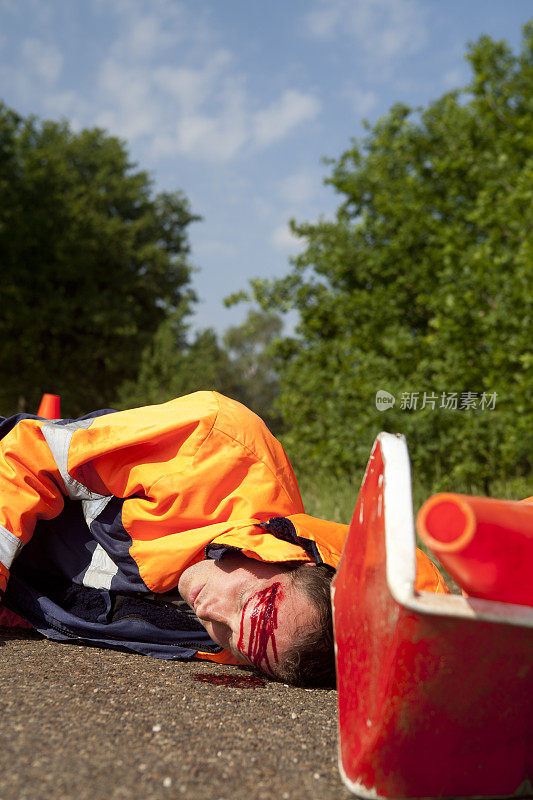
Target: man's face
[248,607]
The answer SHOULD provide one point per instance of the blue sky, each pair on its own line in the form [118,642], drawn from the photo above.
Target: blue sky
[236,102]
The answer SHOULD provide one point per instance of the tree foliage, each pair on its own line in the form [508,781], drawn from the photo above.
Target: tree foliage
[240,366]
[422,283]
[92,263]
[253,372]
[170,366]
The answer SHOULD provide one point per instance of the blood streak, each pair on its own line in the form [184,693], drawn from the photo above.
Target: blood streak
[239,682]
[263,623]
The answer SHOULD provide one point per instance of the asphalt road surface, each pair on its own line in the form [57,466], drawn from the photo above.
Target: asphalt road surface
[80,723]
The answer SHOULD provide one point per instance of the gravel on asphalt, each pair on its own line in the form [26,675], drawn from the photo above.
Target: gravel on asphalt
[82,723]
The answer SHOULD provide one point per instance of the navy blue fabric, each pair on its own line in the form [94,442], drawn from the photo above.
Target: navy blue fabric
[108,531]
[46,585]
[282,528]
[8,423]
[65,611]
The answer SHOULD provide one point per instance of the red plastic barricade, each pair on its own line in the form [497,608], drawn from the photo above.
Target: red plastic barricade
[435,691]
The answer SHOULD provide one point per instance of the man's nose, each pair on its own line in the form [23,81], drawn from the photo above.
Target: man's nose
[214,611]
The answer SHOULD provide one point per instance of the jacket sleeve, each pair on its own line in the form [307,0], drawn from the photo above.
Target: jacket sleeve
[30,489]
[119,454]
[428,577]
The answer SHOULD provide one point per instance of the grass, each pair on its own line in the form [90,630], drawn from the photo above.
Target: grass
[333,498]
[328,497]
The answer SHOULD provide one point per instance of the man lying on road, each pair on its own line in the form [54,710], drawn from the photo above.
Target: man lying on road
[176,531]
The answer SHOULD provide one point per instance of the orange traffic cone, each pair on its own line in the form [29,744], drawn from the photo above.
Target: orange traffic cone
[49,408]
[485,544]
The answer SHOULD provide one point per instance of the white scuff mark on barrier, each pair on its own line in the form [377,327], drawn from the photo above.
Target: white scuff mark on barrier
[357,788]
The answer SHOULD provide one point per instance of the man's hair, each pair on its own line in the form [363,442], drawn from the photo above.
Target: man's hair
[311,660]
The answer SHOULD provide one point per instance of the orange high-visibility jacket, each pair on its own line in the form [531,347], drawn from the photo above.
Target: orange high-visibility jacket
[161,487]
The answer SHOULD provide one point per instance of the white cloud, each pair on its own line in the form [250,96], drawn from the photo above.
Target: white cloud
[38,12]
[384,30]
[128,107]
[455,78]
[34,73]
[211,138]
[187,86]
[165,82]
[361,101]
[323,21]
[264,209]
[281,117]
[300,187]
[145,34]
[283,239]
[145,37]
[43,60]
[204,112]
[215,248]
[69,105]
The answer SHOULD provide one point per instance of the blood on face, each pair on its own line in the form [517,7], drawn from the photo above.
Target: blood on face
[263,624]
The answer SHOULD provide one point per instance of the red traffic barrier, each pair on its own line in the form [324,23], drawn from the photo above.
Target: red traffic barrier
[49,407]
[485,544]
[435,691]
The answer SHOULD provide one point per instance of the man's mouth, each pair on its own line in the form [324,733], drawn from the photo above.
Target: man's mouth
[193,596]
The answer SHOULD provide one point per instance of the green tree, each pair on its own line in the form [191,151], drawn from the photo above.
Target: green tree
[254,379]
[422,283]
[92,263]
[240,366]
[171,366]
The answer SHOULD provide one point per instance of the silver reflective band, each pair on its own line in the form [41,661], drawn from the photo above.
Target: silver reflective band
[100,571]
[91,508]
[58,439]
[9,546]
